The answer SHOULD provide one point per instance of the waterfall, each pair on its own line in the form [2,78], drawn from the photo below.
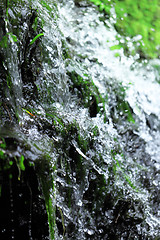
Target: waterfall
[79,127]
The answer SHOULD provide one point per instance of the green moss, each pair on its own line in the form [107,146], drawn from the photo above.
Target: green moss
[68,181]
[136,18]
[5,162]
[80,86]
[51,217]
[35,24]
[9,82]
[126,110]
[1,154]
[45,173]
[122,110]
[4,42]
[46,6]
[65,50]
[87,93]
[120,168]
[6,39]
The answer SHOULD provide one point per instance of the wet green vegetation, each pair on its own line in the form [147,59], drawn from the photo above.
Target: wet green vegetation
[20,193]
[67,172]
[87,94]
[136,22]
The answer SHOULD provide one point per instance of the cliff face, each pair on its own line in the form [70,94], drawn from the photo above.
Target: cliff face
[78,129]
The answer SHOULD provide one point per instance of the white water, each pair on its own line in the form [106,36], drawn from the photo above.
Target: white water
[88,42]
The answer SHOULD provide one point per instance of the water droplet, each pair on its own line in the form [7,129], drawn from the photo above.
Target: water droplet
[79,203]
[90,232]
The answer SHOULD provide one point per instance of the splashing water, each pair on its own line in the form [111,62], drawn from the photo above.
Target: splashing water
[102,179]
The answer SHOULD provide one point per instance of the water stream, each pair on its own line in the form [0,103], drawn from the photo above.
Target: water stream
[86,121]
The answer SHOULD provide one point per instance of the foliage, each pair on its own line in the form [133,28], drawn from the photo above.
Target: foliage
[8,37]
[2,148]
[138,20]
[35,38]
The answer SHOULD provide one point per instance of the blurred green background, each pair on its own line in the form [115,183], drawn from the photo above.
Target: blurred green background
[136,21]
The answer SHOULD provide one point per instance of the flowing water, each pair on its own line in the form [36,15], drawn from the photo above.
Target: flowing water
[89,123]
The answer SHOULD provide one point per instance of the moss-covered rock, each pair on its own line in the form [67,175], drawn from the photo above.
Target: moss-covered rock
[82,175]
[22,209]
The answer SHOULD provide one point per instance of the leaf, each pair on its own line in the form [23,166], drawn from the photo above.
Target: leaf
[1,153]
[117,55]
[21,163]
[116,47]
[28,112]
[14,38]
[36,37]
[47,6]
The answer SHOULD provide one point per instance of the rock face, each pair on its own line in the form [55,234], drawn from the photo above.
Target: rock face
[77,159]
